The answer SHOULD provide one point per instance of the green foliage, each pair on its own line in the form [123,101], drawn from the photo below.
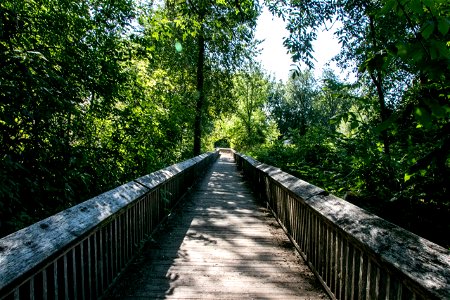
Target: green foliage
[60,65]
[292,107]
[97,93]
[392,130]
[247,126]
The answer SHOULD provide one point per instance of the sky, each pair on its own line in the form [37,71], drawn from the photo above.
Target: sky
[274,57]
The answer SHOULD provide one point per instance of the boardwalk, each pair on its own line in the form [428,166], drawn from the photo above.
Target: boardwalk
[219,245]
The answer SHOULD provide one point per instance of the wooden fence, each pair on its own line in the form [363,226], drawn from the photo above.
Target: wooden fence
[77,253]
[355,254]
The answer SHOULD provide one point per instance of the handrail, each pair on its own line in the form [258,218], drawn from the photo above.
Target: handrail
[355,254]
[77,253]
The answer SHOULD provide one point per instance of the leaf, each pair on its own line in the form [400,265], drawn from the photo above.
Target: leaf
[436,109]
[390,5]
[428,29]
[443,26]
[416,6]
[402,50]
[384,125]
[345,118]
[407,177]
[354,124]
[423,116]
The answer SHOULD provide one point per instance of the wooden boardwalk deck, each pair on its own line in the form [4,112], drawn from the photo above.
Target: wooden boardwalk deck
[219,245]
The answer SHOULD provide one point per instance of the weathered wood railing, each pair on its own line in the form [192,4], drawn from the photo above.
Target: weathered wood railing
[355,254]
[77,253]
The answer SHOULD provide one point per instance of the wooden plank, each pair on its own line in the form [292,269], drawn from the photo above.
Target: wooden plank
[420,266]
[26,252]
[220,247]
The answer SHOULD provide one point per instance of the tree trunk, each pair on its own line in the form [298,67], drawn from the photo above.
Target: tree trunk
[378,81]
[200,95]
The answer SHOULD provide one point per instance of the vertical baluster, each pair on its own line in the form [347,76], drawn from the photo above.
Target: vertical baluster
[74,273]
[115,242]
[150,209]
[55,279]
[308,235]
[314,240]
[289,211]
[362,276]
[304,234]
[156,207]
[132,231]
[332,260]
[105,257]
[319,247]
[82,270]
[66,279]
[126,236]
[335,262]
[369,277]
[355,273]
[388,286]
[343,269]
[341,265]
[141,219]
[44,284]
[148,214]
[110,261]
[286,211]
[399,291]
[311,237]
[326,255]
[32,288]
[349,271]
[377,283]
[296,214]
[144,216]
[299,224]
[95,265]
[281,204]
[119,244]
[312,257]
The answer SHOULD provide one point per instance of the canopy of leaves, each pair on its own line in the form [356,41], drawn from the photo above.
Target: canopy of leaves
[96,93]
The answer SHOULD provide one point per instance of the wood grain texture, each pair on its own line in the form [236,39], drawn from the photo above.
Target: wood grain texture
[385,259]
[220,245]
[27,252]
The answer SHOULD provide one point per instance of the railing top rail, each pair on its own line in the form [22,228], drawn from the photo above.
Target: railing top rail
[22,251]
[424,263]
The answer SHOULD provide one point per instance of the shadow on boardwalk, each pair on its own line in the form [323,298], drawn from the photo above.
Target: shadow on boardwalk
[219,245]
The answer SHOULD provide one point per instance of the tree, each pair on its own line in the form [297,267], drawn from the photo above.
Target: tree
[250,92]
[413,48]
[60,62]
[224,34]
[248,125]
[396,132]
[293,108]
